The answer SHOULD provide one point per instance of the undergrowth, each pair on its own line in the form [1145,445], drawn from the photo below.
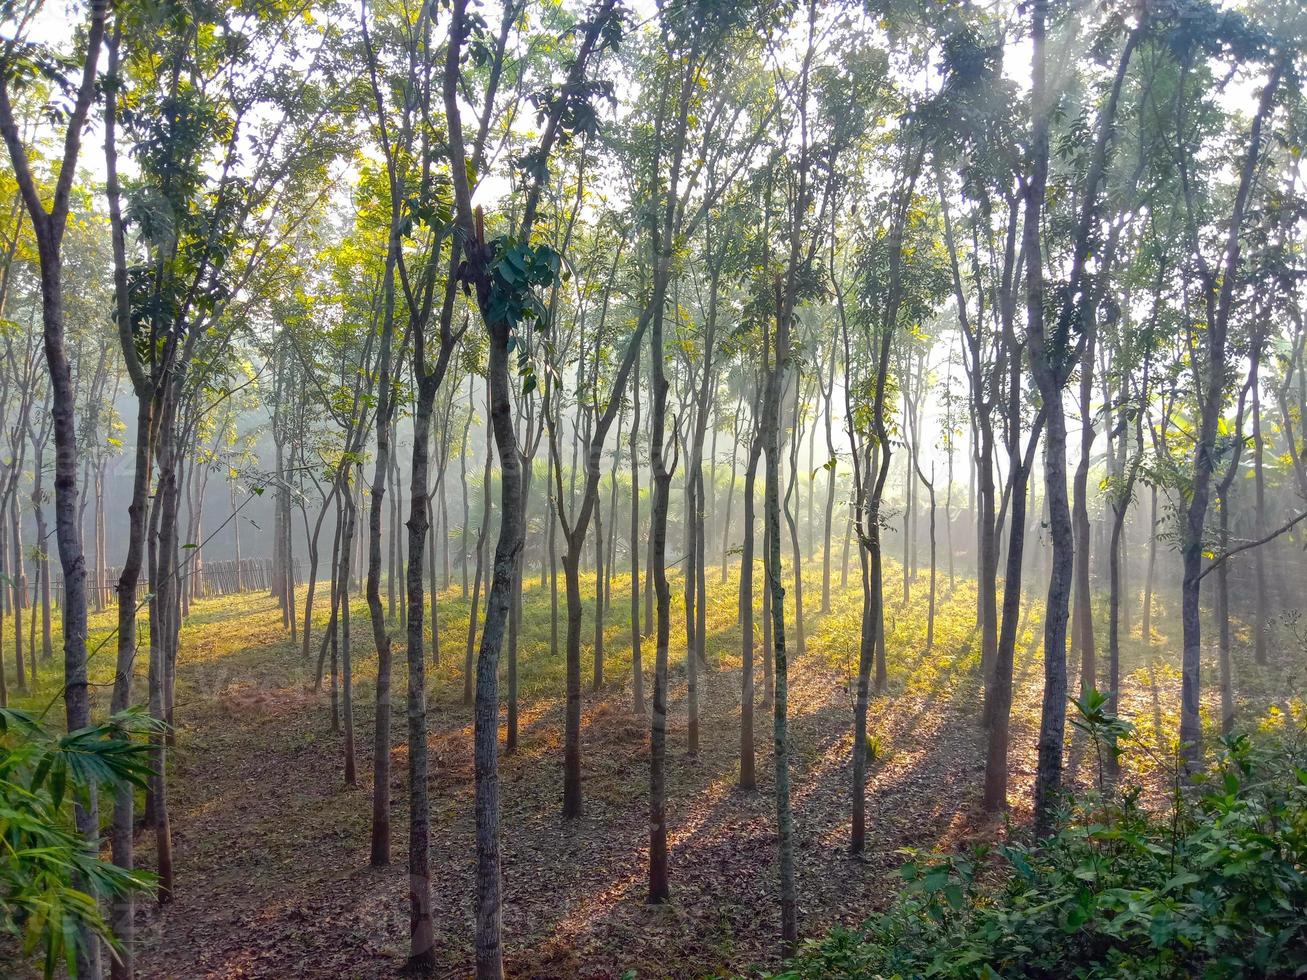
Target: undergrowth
[1214,884]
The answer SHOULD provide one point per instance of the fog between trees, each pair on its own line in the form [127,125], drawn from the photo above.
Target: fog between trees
[583,320]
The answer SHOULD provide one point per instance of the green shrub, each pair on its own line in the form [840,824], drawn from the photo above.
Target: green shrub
[1214,887]
[47,873]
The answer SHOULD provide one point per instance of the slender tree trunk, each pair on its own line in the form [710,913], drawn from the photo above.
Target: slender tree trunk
[380,841]
[1052,727]
[870,559]
[988,567]
[791,490]
[463,448]
[597,679]
[1222,613]
[40,560]
[691,643]
[996,755]
[930,613]
[572,713]
[489,948]
[480,568]
[748,779]
[1146,616]
[422,954]
[18,583]
[844,561]
[649,579]
[342,644]
[637,667]
[49,229]
[659,889]
[701,578]
[431,576]
[1261,615]
[730,493]
[311,586]
[122,919]
[780,721]
[1083,616]
[1049,377]
[160,606]
[830,491]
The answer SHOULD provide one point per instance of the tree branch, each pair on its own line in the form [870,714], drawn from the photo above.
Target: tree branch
[1251,544]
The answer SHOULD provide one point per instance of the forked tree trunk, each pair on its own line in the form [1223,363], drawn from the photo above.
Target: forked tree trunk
[791,490]
[830,467]
[996,754]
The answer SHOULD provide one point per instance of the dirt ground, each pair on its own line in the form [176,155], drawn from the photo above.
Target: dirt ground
[271,849]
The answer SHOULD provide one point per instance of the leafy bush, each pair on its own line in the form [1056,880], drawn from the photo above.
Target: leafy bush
[1215,887]
[48,875]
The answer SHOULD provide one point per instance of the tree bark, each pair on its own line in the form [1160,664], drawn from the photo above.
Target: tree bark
[748,779]
[422,954]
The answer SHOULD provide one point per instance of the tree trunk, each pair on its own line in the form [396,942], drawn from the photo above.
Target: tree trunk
[1083,615]
[160,605]
[791,490]
[422,955]
[659,889]
[1222,614]
[691,642]
[1261,615]
[122,919]
[996,755]
[342,643]
[1146,616]
[748,779]
[480,568]
[601,565]
[1052,726]
[18,584]
[730,493]
[489,947]
[572,713]
[380,842]
[637,668]
[780,721]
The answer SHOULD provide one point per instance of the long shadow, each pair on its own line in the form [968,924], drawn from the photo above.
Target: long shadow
[731,841]
[574,891]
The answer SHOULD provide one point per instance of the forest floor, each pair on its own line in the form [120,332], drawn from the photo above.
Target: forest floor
[271,848]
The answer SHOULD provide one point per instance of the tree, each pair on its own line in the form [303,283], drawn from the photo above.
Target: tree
[20,61]
[503,275]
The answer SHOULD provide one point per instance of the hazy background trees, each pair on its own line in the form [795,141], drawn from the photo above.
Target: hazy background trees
[391,303]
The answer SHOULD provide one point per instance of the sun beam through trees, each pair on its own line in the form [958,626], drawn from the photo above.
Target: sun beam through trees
[635,489]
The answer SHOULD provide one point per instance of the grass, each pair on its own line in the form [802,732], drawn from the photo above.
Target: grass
[271,848]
